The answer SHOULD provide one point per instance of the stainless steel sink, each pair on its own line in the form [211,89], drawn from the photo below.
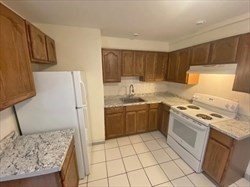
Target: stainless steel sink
[132,100]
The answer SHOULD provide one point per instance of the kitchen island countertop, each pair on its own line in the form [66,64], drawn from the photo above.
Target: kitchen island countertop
[34,155]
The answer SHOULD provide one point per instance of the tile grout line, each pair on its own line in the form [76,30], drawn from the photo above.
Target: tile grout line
[125,167]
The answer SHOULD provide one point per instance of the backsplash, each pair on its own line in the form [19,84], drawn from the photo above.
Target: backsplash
[122,88]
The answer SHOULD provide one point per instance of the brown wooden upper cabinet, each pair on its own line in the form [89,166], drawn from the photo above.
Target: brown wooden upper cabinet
[42,48]
[149,66]
[242,77]
[178,65]
[111,65]
[51,49]
[224,51]
[128,66]
[155,66]
[139,58]
[160,73]
[200,54]
[16,80]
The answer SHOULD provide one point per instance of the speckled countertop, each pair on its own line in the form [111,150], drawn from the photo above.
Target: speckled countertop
[236,129]
[33,155]
[164,97]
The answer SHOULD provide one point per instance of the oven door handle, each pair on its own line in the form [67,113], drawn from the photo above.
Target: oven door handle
[189,122]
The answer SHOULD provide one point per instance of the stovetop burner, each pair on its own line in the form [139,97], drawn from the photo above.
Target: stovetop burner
[181,107]
[216,115]
[204,116]
[193,107]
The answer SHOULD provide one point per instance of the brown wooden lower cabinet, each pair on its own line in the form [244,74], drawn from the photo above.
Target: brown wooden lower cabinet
[136,119]
[163,125]
[114,122]
[67,177]
[225,159]
[153,117]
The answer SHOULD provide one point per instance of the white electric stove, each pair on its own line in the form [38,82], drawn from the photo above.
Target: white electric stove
[189,125]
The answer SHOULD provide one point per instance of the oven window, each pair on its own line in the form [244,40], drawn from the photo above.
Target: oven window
[187,134]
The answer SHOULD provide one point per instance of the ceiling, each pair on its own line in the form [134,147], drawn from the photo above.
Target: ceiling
[153,20]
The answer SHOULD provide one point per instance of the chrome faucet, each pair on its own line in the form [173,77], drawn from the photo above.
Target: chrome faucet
[131,90]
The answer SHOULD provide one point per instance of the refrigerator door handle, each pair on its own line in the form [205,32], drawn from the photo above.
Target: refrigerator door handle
[84,92]
[80,107]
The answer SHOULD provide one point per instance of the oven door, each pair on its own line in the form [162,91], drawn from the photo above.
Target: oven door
[191,135]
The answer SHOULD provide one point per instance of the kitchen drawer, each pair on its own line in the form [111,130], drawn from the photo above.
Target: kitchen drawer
[113,110]
[67,159]
[137,107]
[155,105]
[222,138]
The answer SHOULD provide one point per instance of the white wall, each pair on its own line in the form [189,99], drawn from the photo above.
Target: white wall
[80,49]
[8,122]
[133,44]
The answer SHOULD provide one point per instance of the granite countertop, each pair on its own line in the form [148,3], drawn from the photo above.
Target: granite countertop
[236,129]
[166,98]
[33,155]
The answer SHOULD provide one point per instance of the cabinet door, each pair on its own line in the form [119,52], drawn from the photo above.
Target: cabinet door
[111,65]
[200,54]
[161,67]
[128,63]
[224,51]
[183,65]
[242,77]
[149,66]
[172,65]
[141,121]
[71,178]
[114,125]
[130,122]
[51,49]
[153,119]
[16,80]
[37,44]
[164,120]
[139,58]
[215,160]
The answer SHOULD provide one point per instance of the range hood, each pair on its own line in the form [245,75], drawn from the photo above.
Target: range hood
[213,69]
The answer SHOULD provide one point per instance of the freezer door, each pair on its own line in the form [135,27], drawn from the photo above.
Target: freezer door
[80,89]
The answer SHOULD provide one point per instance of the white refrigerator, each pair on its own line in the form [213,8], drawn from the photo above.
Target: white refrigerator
[60,103]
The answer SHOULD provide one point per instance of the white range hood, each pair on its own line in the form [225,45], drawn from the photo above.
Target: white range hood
[213,69]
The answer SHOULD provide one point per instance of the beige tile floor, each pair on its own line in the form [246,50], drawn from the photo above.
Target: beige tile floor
[140,161]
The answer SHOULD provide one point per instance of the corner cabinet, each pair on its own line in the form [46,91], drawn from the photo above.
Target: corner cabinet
[16,80]
[153,117]
[224,161]
[163,125]
[42,47]
[178,65]
[111,65]
[242,77]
